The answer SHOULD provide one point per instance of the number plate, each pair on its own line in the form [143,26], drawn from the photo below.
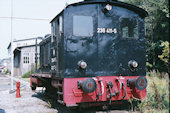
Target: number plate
[106,30]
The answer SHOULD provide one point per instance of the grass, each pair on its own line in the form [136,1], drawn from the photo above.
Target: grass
[157,100]
[49,104]
[27,75]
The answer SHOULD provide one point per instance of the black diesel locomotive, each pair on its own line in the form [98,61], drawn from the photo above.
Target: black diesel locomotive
[95,54]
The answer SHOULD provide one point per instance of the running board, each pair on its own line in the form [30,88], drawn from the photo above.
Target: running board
[60,93]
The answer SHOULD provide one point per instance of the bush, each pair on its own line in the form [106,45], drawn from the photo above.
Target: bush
[6,71]
[27,75]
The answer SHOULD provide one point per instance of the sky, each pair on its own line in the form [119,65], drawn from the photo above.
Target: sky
[31,18]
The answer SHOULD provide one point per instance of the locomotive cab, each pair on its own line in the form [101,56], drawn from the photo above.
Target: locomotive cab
[106,36]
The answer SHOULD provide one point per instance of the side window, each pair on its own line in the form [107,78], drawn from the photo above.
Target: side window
[53,28]
[129,28]
[83,26]
[59,28]
[56,28]
[60,24]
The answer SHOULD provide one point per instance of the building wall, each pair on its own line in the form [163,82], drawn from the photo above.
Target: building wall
[27,60]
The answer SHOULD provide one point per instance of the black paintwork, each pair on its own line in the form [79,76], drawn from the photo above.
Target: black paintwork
[45,57]
[106,54]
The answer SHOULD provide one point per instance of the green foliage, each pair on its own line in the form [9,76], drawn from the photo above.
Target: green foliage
[49,104]
[6,71]
[38,65]
[157,93]
[27,75]
[149,65]
[165,52]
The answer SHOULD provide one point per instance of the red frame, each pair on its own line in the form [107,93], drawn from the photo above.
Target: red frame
[72,96]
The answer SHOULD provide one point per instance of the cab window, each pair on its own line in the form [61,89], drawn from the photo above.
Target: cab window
[129,28]
[83,26]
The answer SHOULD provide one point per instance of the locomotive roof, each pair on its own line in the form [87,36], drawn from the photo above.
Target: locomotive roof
[46,39]
[136,9]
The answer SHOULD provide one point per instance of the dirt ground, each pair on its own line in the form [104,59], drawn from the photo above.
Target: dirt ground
[33,102]
[27,103]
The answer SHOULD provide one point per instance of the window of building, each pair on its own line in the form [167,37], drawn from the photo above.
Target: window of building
[83,26]
[129,28]
[26,58]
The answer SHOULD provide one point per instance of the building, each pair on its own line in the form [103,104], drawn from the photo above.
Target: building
[25,55]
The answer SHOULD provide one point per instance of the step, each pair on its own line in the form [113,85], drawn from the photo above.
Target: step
[60,93]
[60,85]
[60,101]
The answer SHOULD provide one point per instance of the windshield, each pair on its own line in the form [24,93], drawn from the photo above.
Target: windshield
[83,26]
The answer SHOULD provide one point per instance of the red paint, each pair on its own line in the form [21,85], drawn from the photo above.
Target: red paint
[73,95]
[18,89]
[34,80]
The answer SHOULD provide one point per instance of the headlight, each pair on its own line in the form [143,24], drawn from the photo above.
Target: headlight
[82,64]
[108,7]
[132,64]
